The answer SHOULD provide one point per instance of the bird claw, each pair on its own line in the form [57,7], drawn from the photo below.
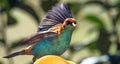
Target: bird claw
[34,58]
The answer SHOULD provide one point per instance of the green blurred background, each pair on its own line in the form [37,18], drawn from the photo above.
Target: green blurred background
[97,33]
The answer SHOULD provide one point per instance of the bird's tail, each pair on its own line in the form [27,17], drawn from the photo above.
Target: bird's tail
[14,54]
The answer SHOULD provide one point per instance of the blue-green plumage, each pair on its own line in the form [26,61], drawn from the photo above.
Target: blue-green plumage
[55,44]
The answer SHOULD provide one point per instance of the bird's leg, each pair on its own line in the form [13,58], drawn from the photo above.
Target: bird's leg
[34,58]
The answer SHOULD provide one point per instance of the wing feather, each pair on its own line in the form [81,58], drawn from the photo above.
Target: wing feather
[37,37]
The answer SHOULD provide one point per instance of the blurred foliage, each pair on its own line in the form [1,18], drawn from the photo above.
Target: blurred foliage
[11,21]
[16,44]
[29,10]
[101,44]
[45,6]
[75,7]
[95,19]
[103,41]
[1,62]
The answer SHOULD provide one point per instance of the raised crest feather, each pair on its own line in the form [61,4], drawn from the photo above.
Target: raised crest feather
[55,16]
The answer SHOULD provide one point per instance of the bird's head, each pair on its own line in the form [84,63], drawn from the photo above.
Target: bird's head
[69,22]
[58,19]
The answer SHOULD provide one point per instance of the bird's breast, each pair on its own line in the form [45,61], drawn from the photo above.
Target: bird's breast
[55,45]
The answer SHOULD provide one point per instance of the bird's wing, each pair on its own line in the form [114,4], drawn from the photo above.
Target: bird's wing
[37,37]
[51,23]
[55,16]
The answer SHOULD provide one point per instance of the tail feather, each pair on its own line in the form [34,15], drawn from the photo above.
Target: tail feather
[14,54]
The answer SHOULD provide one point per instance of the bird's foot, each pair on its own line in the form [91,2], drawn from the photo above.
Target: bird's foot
[34,58]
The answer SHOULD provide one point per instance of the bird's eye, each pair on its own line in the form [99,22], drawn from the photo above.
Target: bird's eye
[71,23]
[74,24]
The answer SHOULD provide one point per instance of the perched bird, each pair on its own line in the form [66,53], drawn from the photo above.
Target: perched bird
[53,36]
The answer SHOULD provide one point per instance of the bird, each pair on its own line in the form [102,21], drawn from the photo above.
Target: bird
[53,35]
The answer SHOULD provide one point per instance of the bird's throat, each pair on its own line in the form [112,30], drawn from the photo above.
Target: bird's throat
[65,36]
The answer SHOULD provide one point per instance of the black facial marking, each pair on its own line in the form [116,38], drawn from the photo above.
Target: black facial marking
[68,23]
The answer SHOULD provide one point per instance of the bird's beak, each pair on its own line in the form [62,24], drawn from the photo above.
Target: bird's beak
[74,24]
